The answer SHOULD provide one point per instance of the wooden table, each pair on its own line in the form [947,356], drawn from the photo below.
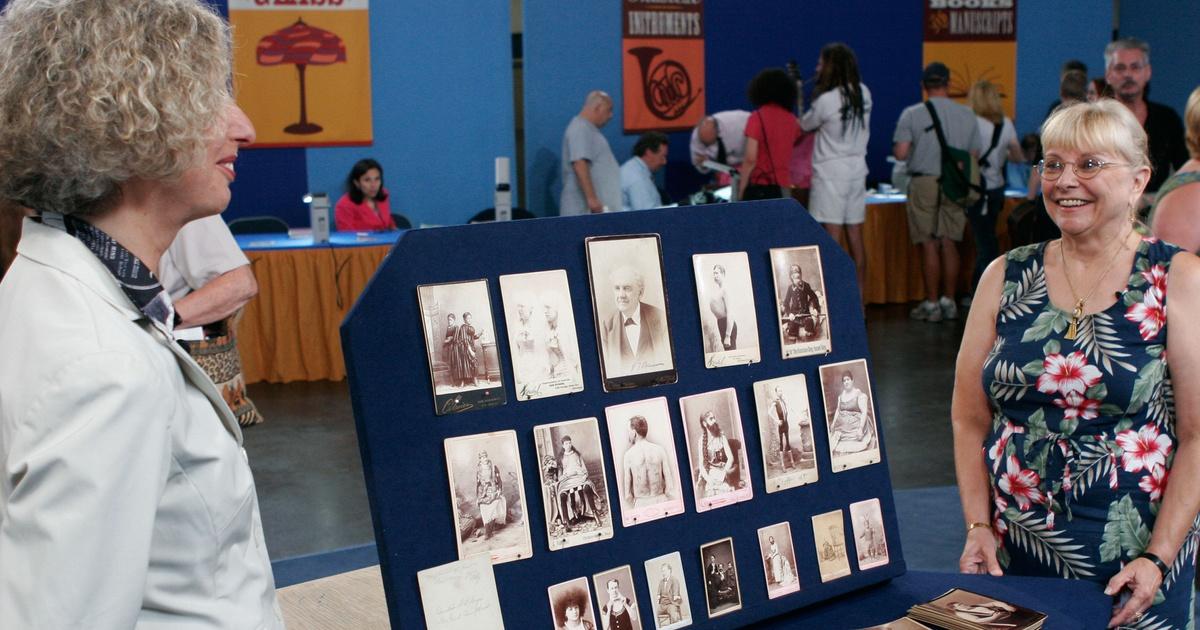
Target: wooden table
[350,601]
[894,263]
[290,331]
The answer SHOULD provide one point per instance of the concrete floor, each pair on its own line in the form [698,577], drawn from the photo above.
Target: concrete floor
[310,485]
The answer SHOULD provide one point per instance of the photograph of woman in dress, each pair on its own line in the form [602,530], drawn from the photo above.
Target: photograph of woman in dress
[488,496]
[850,416]
[779,559]
[460,341]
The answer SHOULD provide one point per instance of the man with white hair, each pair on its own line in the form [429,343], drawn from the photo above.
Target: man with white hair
[1127,71]
[590,173]
[635,337]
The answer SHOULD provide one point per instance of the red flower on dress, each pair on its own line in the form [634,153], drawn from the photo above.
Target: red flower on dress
[999,525]
[1150,315]
[1021,484]
[1144,449]
[1157,277]
[1068,374]
[1076,406]
[1155,483]
[996,452]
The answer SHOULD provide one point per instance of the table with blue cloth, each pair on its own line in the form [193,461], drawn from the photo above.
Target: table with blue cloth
[353,596]
[290,331]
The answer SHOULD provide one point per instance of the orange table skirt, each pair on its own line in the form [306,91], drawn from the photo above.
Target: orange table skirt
[894,263]
[290,331]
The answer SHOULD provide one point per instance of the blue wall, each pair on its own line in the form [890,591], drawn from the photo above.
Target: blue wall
[1170,28]
[441,76]
[1043,44]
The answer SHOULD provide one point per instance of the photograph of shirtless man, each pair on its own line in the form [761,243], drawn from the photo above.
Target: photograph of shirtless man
[648,472]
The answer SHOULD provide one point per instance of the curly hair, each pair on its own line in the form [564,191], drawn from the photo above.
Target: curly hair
[772,85]
[93,94]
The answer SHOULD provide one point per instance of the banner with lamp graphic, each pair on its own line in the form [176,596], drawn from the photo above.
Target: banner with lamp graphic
[662,64]
[303,73]
[976,42]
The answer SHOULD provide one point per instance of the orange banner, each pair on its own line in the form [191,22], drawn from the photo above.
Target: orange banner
[662,65]
[977,41]
[303,76]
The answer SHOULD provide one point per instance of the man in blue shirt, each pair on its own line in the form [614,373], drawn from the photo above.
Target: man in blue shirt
[638,191]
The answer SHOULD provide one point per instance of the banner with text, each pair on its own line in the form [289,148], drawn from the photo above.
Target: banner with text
[662,64]
[302,70]
[977,40]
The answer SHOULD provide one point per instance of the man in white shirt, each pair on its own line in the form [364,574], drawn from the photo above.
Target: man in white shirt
[720,137]
[638,191]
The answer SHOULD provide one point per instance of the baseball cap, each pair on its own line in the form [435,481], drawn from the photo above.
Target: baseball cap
[936,73]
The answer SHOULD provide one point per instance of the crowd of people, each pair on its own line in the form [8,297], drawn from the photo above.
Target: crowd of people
[1067,421]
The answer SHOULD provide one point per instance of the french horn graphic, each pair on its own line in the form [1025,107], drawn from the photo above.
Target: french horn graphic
[666,88]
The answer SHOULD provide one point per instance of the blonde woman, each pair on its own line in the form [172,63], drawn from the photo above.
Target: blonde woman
[1067,423]
[999,140]
[1175,216]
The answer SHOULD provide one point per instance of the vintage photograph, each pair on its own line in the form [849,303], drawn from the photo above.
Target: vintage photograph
[668,590]
[616,602]
[728,322]
[961,606]
[630,304]
[541,334]
[801,301]
[574,491]
[712,427]
[488,496]
[870,541]
[830,538]
[460,339]
[779,559]
[571,605]
[785,428]
[903,623]
[849,415]
[644,462]
[722,592]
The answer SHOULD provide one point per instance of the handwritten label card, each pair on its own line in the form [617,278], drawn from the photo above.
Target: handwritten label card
[460,595]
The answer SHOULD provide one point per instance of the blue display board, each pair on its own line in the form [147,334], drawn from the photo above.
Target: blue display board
[402,440]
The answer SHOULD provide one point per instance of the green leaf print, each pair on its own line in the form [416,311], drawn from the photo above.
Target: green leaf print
[1051,347]
[1137,280]
[1142,263]
[1048,321]
[1035,426]
[1128,299]
[1068,426]
[1034,368]
[1155,351]
[1098,391]
[1149,377]
[1019,298]
[1133,296]
[1124,533]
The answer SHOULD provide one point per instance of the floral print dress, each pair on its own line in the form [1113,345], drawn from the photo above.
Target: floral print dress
[1083,430]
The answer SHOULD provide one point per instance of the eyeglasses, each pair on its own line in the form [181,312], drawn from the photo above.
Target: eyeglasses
[1086,169]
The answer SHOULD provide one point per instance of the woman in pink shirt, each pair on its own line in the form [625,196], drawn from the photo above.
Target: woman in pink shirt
[771,132]
[364,207]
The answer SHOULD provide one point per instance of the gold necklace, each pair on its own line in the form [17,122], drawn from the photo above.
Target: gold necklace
[1077,313]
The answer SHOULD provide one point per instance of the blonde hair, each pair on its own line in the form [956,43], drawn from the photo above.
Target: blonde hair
[984,98]
[1105,125]
[1191,120]
[93,94]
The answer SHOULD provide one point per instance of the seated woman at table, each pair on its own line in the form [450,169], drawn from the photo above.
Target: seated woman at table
[1064,447]
[1177,205]
[365,206]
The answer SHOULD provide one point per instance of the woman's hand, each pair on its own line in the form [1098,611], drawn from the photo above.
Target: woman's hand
[1142,579]
[979,553]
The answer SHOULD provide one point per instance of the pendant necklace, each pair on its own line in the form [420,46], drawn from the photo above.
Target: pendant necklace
[1077,313]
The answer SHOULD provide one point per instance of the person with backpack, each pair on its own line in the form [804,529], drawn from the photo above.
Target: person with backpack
[1000,144]
[939,139]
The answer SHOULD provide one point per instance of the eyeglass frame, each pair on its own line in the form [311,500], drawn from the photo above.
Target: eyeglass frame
[1041,168]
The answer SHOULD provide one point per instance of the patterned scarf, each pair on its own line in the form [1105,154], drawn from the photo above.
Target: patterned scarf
[132,275]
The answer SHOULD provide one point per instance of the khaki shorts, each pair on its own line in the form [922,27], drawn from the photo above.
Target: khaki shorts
[928,219]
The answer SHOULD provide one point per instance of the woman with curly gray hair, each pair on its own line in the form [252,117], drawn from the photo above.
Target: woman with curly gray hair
[126,500]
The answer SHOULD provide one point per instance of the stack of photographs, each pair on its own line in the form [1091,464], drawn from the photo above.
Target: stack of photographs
[963,610]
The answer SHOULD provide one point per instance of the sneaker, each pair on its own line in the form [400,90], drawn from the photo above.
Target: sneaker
[927,311]
[949,309]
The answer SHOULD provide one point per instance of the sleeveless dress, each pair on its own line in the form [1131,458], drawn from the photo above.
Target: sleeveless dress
[1174,181]
[1083,431]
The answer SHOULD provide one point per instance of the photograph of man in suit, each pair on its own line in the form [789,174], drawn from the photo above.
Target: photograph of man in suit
[635,338]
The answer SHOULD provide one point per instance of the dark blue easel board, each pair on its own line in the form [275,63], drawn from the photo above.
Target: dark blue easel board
[401,439]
